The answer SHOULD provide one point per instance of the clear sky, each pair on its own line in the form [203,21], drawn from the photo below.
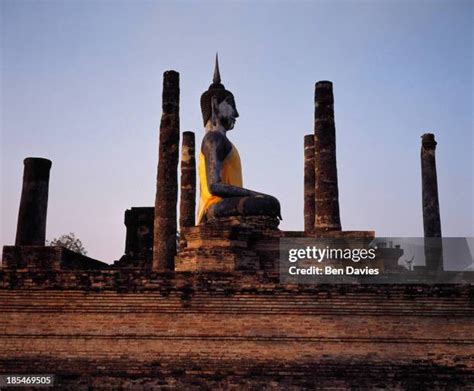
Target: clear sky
[81,85]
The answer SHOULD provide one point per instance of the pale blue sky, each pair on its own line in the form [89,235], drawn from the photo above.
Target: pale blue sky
[81,85]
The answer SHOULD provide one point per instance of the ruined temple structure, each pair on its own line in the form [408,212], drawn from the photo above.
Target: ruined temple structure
[209,311]
[139,223]
[29,251]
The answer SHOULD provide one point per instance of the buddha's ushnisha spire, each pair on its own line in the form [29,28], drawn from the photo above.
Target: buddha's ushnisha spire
[216,90]
[217,75]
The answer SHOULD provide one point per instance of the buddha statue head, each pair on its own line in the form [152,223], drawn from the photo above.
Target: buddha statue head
[218,104]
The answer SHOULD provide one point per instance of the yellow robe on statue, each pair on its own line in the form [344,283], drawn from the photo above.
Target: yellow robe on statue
[231,174]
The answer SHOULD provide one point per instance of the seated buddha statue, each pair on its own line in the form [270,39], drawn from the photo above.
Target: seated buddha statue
[220,171]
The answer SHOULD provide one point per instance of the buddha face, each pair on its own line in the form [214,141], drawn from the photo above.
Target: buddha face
[227,113]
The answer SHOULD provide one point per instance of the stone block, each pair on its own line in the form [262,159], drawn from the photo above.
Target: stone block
[47,258]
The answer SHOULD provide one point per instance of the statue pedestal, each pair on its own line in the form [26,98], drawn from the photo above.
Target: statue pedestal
[229,244]
[246,244]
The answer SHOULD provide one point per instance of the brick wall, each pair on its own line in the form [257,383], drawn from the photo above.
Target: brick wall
[224,330]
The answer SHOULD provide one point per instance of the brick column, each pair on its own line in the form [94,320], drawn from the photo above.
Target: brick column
[139,238]
[431,216]
[309,184]
[187,206]
[327,193]
[165,227]
[31,227]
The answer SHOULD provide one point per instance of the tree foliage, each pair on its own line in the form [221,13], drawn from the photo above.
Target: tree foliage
[70,242]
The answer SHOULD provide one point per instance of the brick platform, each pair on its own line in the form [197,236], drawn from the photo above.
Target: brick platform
[229,244]
[224,330]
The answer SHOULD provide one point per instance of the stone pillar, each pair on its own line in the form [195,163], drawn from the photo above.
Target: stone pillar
[31,227]
[187,210]
[429,182]
[327,193]
[309,185]
[431,217]
[165,227]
